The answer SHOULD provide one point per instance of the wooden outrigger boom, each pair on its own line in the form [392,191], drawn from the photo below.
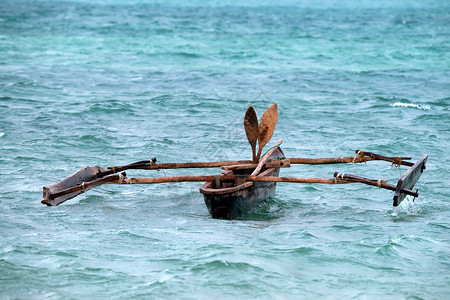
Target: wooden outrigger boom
[83,184]
[244,184]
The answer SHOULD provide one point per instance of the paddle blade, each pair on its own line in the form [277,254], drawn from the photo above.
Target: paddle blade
[267,126]
[251,129]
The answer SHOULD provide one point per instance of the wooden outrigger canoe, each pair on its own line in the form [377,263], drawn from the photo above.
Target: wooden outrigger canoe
[244,185]
[231,200]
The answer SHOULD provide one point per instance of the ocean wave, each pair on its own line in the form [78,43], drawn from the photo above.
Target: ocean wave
[220,264]
[136,236]
[412,105]
[389,247]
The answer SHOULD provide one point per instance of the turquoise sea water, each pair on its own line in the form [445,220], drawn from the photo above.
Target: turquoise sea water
[113,82]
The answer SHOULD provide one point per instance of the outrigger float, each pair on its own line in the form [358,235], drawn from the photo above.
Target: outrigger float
[244,185]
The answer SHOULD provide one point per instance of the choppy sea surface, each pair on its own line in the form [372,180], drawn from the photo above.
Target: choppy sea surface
[112,82]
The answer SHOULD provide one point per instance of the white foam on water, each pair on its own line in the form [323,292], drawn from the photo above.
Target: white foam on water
[406,207]
[412,105]
[2,134]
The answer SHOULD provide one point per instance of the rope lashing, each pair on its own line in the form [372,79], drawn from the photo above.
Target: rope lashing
[379,182]
[397,162]
[360,156]
[160,169]
[121,178]
[338,176]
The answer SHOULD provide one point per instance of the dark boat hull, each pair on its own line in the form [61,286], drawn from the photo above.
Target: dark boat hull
[237,203]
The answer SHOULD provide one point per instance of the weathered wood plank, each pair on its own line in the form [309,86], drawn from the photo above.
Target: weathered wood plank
[84,175]
[409,180]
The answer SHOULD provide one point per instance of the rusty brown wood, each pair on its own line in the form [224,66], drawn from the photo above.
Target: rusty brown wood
[266,127]
[244,163]
[330,160]
[115,179]
[227,178]
[295,180]
[377,183]
[272,163]
[233,164]
[394,160]
[187,165]
[251,129]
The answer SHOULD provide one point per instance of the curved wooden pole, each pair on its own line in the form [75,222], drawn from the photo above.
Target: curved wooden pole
[266,158]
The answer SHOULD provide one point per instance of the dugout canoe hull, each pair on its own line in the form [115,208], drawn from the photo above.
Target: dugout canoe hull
[234,200]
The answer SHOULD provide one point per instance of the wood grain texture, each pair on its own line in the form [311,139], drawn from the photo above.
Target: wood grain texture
[251,129]
[266,127]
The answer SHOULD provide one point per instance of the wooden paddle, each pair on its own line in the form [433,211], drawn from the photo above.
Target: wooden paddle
[266,127]
[251,129]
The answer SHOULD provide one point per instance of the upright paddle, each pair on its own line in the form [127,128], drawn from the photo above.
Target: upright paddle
[251,129]
[266,127]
